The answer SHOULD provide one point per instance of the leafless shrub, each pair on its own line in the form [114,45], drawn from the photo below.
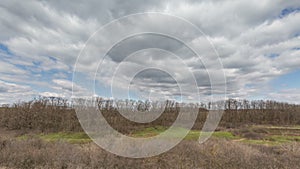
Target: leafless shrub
[35,153]
[54,114]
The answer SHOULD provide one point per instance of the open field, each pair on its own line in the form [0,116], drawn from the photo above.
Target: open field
[251,147]
[267,135]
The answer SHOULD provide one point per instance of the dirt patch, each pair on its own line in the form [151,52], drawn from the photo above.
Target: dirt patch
[253,135]
[4,133]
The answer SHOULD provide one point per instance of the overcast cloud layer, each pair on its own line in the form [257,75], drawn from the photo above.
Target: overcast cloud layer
[258,43]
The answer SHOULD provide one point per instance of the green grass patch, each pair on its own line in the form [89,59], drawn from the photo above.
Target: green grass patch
[221,134]
[178,132]
[269,135]
[79,137]
[149,131]
[283,139]
[76,138]
[23,137]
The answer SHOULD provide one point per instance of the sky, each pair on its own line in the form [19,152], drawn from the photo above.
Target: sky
[254,45]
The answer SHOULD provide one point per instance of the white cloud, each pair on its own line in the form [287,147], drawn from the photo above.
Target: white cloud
[8,68]
[12,93]
[51,94]
[244,33]
[68,88]
[286,95]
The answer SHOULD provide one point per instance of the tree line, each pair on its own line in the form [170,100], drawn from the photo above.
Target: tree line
[58,114]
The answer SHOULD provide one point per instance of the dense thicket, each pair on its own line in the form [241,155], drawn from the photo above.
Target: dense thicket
[56,114]
[36,153]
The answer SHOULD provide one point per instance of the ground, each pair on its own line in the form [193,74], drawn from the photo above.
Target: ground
[255,146]
[258,134]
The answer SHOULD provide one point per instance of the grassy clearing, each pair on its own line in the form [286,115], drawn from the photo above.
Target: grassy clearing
[268,137]
[79,137]
[74,138]
[283,139]
[178,132]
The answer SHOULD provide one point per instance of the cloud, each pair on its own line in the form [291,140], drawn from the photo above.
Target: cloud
[286,95]
[44,39]
[13,93]
[68,88]
[8,68]
[51,94]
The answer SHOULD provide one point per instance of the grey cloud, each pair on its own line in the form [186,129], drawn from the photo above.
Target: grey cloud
[144,41]
[3,89]
[67,88]
[12,92]
[243,32]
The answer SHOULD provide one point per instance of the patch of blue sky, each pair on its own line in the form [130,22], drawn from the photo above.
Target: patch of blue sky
[249,86]
[37,63]
[32,69]
[288,81]
[83,80]
[288,11]
[40,88]
[272,55]
[296,48]
[103,91]
[52,58]
[5,49]
[35,69]
[47,76]
[258,97]
[179,98]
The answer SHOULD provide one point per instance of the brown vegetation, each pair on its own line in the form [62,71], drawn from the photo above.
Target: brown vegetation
[35,153]
[54,114]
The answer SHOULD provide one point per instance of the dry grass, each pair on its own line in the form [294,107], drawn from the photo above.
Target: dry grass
[36,153]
